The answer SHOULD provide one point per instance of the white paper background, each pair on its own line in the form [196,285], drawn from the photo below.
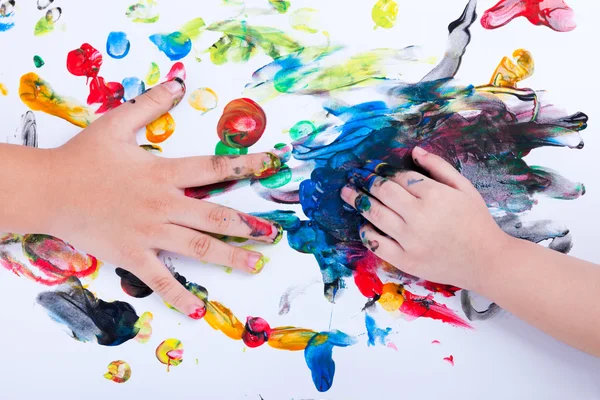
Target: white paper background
[502,358]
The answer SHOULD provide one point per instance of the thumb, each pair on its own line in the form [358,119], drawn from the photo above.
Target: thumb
[159,278]
[440,170]
[135,114]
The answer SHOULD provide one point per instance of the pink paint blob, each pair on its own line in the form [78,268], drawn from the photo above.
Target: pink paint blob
[450,359]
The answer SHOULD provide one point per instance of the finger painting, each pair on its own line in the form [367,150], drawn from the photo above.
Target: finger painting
[267,75]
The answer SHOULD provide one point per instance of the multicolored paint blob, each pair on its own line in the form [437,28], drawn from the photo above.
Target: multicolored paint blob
[384,13]
[143,12]
[555,14]
[281,6]
[170,353]
[47,23]
[118,372]
[7,14]
[144,326]
[117,45]
[242,124]
[203,99]
[161,129]
[38,95]
[178,44]
[509,72]
[153,75]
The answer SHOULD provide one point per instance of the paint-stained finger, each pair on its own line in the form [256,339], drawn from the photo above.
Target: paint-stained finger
[191,243]
[204,170]
[209,217]
[374,211]
[156,275]
[415,183]
[384,247]
[394,196]
[441,171]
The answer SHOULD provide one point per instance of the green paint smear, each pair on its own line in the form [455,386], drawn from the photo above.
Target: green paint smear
[282,178]
[38,61]
[363,203]
[44,26]
[221,149]
[143,12]
[241,41]
[193,29]
[282,6]
[302,129]
[153,75]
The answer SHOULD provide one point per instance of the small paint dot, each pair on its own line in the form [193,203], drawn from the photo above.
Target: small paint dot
[38,61]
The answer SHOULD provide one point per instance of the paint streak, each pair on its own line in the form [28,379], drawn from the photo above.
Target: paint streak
[242,124]
[47,23]
[143,12]
[291,293]
[29,135]
[555,14]
[3,90]
[88,318]
[117,45]
[450,360]
[319,356]
[385,13]
[38,61]
[260,228]
[203,99]
[161,129]
[170,353]
[118,372]
[153,75]
[376,335]
[132,88]
[178,44]
[7,14]
[38,95]
[414,181]
[443,289]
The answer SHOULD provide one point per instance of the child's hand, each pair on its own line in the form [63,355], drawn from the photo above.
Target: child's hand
[438,229]
[123,205]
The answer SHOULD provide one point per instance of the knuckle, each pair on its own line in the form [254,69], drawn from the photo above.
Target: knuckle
[130,255]
[219,217]
[164,170]
[159,205]
[162,284]
[200,246]
[234,255]
[220,165]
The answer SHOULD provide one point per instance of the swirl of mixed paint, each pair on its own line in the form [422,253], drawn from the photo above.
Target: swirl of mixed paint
[242,124]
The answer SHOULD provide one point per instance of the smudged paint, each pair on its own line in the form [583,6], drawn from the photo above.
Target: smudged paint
[38,61]
[302,129]
[450,360]
[84,61]
[88,318]
[555,14]
[319,357]
[153,75]
[43,4]
[203,99]
[132,88]
[47,23]
[118,372]
[290,294]
[178,44]
[281,6]
[443,289]
[151,148]
[177,71]
[28,129]
[242,124]
[117,45]
[3,90]
[143,12]
[161,129]
[376,335]
[305,20]
[7,14]
[256,332]
[38,95]
[509,73]
[435,342]
[108,94]
[280,179]
[144,326]
[384,13]
[259,228]
[170,353]
[223,150]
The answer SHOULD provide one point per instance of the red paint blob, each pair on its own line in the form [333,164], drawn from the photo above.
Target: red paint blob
[365,276]
[424,306]
[256,332]
[555,14]
[177,71]
[198,314]
[242,124]
[450,359]
[108,95]
[84,61]
[444,290]
[258,228]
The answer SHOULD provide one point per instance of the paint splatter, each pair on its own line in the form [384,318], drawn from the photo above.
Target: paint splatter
[450,360]
[87,318]
[38,95]
[117,45]
[3,90]
[178,44]
[384,13]
[203,99]
[161,129]
[376,335]
[143,12]
[153,75]
[555,14]
[7,14]
[38,61]
[118,372]
[47,23]
[170,353]
[132,87]
[242,124]
[281,6]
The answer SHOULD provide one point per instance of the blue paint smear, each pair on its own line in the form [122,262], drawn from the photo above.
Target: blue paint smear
[175,45]
[117,45]
[375,334]
[133,87]
[319,356]
[6,22]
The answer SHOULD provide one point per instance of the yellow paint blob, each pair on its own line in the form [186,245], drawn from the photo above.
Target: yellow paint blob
[222,319]
[118,372]
[153,75]
[384,13]
[392,297]
[203,99]
[509,72]
[38,95]
[170,353]
[290,338]
[161,129]
[3,90]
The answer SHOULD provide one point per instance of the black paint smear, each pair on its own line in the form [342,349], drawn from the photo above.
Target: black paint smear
[29,136]
[135,287]
[90,318]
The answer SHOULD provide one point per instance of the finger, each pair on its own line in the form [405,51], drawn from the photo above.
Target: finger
[385,248]
[204,170]
[201,246]
[440,170]
[209,217]
[394,196]
[159,278]
[135,114]
[415,183]
[378,214]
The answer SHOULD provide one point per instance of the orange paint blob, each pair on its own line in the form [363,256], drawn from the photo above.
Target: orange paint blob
[161,129]
[290,338]
[222,319]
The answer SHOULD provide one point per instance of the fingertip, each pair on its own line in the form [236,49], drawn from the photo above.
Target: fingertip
[256,262]
[199,312]
[270,165]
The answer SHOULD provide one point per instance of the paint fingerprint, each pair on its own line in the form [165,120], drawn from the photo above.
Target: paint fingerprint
[7,14]
[132,87]
[170,353]
[29,135]
[3,90]
[555,14]
[47,23]
[108,94]
[118,372]
[117,45]
[87,318]
[384,13]
[161,129]
[143,12]
[178,44]
[319,357]
[153,75]
[203,99]
[242,124]
[38,95]
[38,61]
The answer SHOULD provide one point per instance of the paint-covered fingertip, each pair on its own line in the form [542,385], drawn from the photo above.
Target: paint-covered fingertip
[271,164]
[199,313]
[279,236]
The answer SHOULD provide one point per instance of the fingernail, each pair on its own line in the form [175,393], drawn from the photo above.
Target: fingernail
[419,151]
[256,262]
[362,203]
[347,191]
[198,313]
[270,166]
[176,87]
[279,229]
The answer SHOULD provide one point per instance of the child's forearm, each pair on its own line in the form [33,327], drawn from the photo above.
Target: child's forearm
[25,189]
[554,292]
